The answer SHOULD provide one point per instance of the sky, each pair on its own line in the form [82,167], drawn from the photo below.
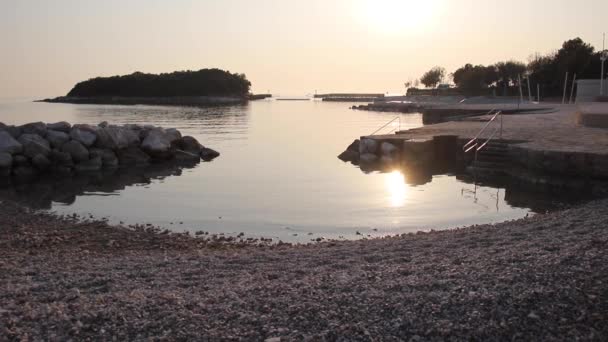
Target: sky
[283,46]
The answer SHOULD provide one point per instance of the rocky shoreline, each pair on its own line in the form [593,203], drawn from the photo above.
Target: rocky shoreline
[540,278]
[38,148]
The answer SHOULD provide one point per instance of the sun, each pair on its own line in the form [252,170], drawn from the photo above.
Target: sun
[397,16]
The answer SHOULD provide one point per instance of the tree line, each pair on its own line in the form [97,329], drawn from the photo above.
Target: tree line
[205,82]
[503,78]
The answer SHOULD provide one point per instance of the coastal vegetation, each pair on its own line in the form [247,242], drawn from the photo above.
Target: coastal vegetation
[548,71]
[204,82]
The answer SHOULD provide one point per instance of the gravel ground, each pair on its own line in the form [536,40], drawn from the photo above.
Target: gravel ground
[540,278]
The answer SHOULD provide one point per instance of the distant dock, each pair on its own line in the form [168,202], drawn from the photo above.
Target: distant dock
[349,97]
[255,97]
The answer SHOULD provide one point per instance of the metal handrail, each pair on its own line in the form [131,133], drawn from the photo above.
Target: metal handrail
[388,123]
[473,142]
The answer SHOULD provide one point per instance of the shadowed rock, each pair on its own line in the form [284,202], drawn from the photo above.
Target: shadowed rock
[78,152]
[8,144]
[62,126]
[34,144]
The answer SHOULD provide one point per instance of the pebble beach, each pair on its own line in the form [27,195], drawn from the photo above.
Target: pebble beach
[540,278]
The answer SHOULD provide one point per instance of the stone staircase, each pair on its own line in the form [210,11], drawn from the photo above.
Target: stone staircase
[492,160]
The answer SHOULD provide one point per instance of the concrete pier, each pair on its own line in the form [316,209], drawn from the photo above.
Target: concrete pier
[540,147]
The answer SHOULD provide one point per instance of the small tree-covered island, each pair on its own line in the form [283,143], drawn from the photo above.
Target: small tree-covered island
[202,87]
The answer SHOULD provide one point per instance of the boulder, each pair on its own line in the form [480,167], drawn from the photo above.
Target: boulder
[25,173]
[103,124]
[132,156]
[157,144]
[6,160]
[14,131]
[84,134]
[354,146]
[38,128]
[116,138]
[93,164]
[77,151]
[349,156]
[173,135]
[183,156]
[57,138]
[368,158]
[20,160]
[34,144]
[209,154]
[189,144]
[8,144]
[388,149]
[61,170]
[61,158]
[368,146]
[108,157]
[41,162]
[61,126]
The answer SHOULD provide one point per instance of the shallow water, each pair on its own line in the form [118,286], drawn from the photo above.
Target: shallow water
[278,176]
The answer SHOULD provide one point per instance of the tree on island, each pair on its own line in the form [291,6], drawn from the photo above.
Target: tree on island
[205,82]
[433,77]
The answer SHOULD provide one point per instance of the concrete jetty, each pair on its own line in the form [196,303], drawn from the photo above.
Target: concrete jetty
[540,147]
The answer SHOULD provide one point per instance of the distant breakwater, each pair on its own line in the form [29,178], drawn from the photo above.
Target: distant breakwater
[36,149]
[158,101]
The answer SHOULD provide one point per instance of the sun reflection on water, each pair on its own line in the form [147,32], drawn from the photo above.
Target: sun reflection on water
[396,188]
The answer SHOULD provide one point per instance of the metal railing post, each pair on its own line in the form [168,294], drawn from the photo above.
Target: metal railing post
[501,125]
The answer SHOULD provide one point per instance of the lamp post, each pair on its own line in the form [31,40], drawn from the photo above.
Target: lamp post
[603,57]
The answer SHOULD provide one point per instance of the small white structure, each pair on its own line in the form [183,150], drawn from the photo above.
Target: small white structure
[589,90]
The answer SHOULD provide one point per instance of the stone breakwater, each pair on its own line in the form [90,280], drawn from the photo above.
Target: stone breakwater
[38,148]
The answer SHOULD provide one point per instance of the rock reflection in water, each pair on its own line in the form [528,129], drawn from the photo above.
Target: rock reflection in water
[44,192]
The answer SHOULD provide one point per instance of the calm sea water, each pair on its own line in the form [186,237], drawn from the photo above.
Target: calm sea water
[278,176]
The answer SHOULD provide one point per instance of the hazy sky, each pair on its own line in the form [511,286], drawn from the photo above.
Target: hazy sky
[285,46]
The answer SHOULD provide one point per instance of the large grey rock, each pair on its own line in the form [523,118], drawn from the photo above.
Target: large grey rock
[14,131]
[84,134]
[108,157]
[61,126]
[61,158]
[132,156]
[6,160]
[38,128]
[157,144]
[183,156]
[57,138]
[388,149]
[209,154]
[116,138]
[93,164]
[77,151]
[368,146]
[8,143]
[173,135]
[41,162]
[25,173]
[190,144]
[34,144]
[20,160]
[368,158]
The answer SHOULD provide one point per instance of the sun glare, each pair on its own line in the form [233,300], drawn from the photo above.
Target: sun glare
[396,187]
[396,16]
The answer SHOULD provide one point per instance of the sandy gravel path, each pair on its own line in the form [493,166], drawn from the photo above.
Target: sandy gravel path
[541,278]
